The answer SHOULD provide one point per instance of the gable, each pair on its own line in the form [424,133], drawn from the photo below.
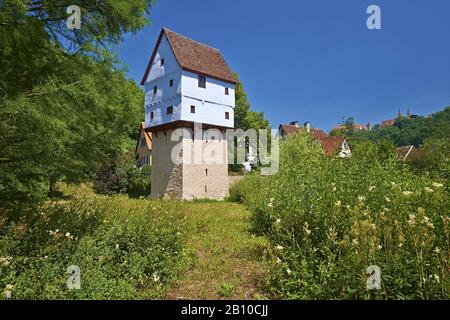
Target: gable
[147,136]
[155,68]
[192,56]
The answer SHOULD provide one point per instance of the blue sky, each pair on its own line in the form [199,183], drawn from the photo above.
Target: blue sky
[315,60]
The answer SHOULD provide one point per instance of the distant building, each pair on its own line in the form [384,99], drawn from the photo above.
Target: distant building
[387,123]
[356,127]
[391,122]
[330,144]
[143,149]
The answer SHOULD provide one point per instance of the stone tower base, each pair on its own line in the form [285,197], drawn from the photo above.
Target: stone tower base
[199,172]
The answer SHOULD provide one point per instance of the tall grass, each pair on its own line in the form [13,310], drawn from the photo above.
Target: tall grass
[125,249]
[330,219]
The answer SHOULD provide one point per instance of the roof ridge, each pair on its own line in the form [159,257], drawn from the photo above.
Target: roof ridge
[187,38]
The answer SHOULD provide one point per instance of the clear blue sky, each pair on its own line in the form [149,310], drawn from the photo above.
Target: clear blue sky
[315,60]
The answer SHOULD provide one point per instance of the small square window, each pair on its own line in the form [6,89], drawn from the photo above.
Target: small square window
[151,115]
[155,89]
[171,83]
[162,62]
[170,110]
[192,109]
[227,115]
[227,91]
[201,81]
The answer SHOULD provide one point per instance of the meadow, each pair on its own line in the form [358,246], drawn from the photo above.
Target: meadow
[329,219]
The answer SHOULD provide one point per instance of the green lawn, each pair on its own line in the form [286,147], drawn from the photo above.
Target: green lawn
[227,258]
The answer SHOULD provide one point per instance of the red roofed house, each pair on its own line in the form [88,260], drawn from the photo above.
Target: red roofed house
[330,144]
[188,82]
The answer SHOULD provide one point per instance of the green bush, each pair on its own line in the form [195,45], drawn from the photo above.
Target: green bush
[122,176]
[126,249]
[329,219]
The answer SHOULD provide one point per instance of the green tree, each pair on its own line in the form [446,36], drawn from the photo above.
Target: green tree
[65,103]
[244,117]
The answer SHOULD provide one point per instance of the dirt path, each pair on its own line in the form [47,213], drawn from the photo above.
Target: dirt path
[227,262]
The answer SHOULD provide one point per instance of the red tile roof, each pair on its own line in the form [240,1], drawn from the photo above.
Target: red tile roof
[387,123]
[290,128]
[330,144]
[195,57]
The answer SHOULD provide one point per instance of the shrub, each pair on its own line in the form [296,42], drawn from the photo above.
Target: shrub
[329,219]
[126,249]
[123,176]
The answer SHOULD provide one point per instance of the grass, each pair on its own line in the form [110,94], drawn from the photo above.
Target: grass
[223,259]
[227,259]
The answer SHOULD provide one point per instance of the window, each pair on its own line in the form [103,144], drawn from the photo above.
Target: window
[227,115]
[155,89]
[201,81]
[206,171]
[170,110]
[142,142]
[151,115]
[162,62]
[171,83]
[192,109]
[226,91]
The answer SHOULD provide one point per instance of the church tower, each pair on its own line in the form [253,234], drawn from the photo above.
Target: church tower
[188,83]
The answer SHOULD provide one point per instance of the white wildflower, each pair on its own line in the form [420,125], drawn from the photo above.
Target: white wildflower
[5,261]
[278,220]
[371,188]
[156,277]
[407,193]
[361,198]
[437,185]
[428,190]
[437,250]
[117,246]
[380,247]
[412,220]
[436,277]
[278,247]
[355,242]
[9,287]
[387,199]
[338,203]
[278,260]
[288,271]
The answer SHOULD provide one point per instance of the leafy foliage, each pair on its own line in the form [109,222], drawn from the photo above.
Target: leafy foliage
[65,105]
[406,131]
[329,219]
[125,249]
[122,176]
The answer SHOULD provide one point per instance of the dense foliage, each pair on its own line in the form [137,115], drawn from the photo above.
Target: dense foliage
[125,249]
[122,176]
[405,131]
[65,104]
[330,219]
